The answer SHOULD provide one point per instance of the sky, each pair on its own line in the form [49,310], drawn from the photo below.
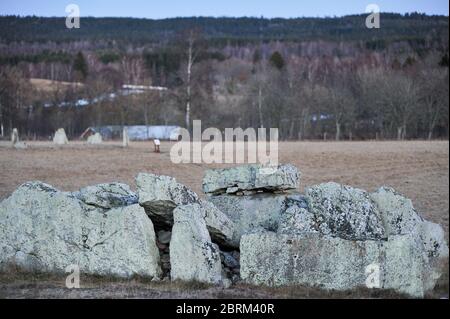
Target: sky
[157,9]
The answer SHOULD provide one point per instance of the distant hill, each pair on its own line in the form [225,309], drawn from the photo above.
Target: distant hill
[412,27]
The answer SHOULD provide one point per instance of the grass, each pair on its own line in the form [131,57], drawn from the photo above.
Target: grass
[18,284]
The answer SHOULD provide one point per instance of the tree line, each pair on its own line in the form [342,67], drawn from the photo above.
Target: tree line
[378,88]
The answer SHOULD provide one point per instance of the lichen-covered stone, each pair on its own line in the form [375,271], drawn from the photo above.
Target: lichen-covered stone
[432,237]
[310,259]
[220,226]
[397,212]
[251,212]
[193,256]
[345,212]
[297,221]
[45,230]
[160,195]
[250,178]
[400,217]
[334,263]
[107,196]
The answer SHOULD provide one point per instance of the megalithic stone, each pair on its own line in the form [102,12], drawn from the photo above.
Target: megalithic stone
[125,138]
[15,137]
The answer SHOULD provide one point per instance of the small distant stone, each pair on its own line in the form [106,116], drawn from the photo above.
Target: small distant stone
[164,236]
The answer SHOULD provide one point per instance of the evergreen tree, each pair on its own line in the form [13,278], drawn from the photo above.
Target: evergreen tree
[80,66]
[277,60]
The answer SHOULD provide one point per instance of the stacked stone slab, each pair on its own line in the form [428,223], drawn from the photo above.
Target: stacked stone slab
[250,179]
[252,196]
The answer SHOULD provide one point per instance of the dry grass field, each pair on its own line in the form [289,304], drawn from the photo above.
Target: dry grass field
[418,169]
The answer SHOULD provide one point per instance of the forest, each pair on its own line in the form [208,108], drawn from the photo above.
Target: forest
[312,78]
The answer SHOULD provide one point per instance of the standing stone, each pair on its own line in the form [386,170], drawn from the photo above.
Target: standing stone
[95,139]
[45,230]
[60,137]
[193,256]
[15,137]
[16,141]
[251,178]
[125,138]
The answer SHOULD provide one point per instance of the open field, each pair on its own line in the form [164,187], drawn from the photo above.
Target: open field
[52,86]
[418,169]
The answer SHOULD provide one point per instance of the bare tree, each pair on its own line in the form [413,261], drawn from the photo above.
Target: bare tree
[434,95]
[15,95]
[191,40]
[399,97]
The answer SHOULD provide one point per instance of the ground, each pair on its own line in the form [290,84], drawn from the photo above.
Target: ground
[418,169]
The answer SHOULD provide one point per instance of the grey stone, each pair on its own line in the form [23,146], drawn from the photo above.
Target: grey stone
[296,220]
[335,263]
[397,212]
[345,212]
[229,260]
[400,217]
[15,137]
[125,138]
[45,230]
[160,195]
[192,254]
[60,137]
[95,139]
[107,196]
[220,226]
[20,146]
[164,236]
[250,178]
[250,212]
